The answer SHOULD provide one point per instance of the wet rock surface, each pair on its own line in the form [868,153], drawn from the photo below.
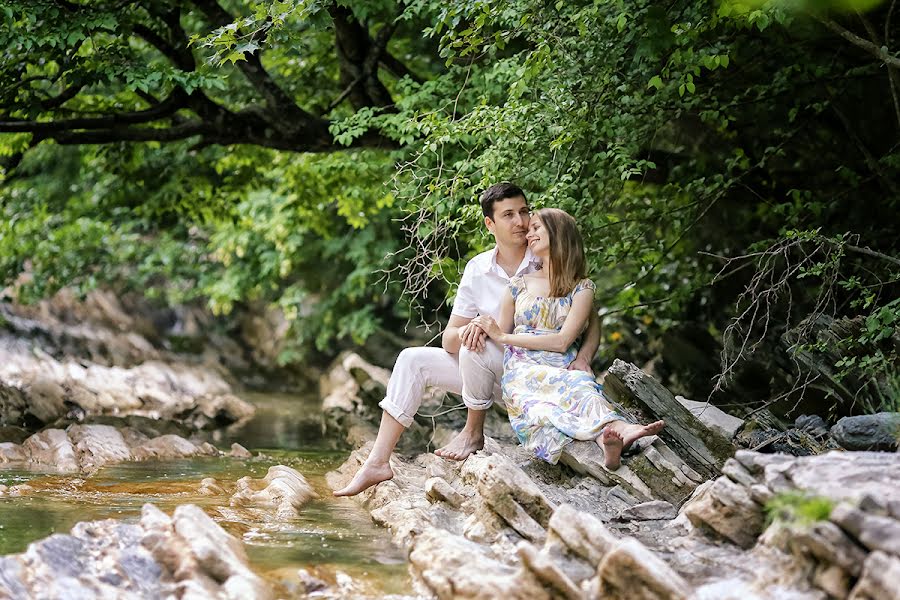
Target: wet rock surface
[579,531]
[283,491]
[87,448]
[183,555]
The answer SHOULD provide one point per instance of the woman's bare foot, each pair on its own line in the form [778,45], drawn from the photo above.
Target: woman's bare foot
[461,446]
[367,476]
[611,442]
[631,433]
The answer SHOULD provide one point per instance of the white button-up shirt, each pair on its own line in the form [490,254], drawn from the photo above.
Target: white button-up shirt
[483,283]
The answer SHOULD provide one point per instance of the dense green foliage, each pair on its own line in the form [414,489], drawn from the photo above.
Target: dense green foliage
[734,166]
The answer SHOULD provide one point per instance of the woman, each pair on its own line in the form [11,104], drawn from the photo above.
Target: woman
[549,405]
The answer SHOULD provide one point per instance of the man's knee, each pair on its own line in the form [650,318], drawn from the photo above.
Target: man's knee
[490,359]
[412,360]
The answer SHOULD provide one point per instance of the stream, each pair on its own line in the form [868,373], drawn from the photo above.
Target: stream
[333,539]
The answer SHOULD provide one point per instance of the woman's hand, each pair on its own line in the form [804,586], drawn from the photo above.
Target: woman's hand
[489,325]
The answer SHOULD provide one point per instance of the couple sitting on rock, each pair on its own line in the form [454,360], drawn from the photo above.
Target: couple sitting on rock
[530,295]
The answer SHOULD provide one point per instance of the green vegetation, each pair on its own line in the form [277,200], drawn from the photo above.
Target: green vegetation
[795,508]
[734,166]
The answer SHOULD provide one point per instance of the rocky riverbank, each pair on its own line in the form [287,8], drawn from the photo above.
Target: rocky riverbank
[502,524]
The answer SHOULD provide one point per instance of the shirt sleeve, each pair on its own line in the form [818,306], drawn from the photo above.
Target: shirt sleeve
[464,305]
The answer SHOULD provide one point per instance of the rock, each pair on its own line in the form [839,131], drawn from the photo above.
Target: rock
[510,493]
[99,381]
[210,487]
[879,579]
[45,398]
[833,579]
[87,448]
[444,563]
[438,490]
[11,433]
[726,508]
[712,416]
[880,431]
[216,552]
[582,533]
[97,445]
[309,584]
[834,475]
[873,531]
[282,489]
[630,571]
[825,541]
[10,452]
[547,571]
[238,451]
[812,424]
[151,559]
[732,589]
[648,511]
[51,448]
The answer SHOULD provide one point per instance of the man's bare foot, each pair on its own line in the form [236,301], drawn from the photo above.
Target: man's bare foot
[611,442]
[631,433]
[367,476]
[461,446]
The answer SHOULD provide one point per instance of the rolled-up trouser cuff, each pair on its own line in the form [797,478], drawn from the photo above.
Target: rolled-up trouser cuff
[396,412]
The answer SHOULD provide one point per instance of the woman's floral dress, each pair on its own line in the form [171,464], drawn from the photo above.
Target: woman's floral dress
[548,405]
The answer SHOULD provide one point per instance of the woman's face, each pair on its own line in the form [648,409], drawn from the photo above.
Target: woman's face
[538,239]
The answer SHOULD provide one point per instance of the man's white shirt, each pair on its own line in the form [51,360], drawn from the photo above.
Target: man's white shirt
[484,282]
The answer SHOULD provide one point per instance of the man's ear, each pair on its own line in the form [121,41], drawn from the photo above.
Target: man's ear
[489,223]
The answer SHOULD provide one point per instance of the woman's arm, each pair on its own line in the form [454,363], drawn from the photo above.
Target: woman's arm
[589,344]
[507,312]
[553,342]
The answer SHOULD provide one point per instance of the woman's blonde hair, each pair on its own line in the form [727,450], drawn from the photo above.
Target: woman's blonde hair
[567,264]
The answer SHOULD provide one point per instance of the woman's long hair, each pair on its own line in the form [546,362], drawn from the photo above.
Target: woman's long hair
[567,264]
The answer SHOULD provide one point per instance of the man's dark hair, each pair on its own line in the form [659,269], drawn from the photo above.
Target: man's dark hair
[496,193]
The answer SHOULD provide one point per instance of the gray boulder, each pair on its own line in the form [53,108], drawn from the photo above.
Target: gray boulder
[880,431]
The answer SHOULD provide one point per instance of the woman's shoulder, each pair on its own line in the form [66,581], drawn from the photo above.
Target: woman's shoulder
[584,284]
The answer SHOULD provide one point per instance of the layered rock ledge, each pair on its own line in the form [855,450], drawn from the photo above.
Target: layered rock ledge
[186,555]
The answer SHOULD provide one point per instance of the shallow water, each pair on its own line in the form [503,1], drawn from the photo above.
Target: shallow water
[331,538]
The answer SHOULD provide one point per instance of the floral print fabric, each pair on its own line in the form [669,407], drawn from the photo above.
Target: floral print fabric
[548,405]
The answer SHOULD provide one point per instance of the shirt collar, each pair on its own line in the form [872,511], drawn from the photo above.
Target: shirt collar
[529,260]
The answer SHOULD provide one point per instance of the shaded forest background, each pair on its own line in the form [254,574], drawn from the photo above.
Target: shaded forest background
[734,167]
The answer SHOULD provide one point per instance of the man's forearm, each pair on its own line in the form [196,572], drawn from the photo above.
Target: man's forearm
[450,341]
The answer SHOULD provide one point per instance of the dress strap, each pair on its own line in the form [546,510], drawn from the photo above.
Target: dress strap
[516,285]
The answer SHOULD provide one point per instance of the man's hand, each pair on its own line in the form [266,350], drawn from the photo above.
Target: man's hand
[581,364]
[472,337]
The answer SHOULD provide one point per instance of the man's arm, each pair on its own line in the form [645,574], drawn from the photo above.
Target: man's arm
[589,346]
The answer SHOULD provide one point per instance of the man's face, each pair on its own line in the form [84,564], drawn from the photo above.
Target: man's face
[510,221]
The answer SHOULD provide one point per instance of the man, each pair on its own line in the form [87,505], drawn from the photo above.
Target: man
[467,363]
